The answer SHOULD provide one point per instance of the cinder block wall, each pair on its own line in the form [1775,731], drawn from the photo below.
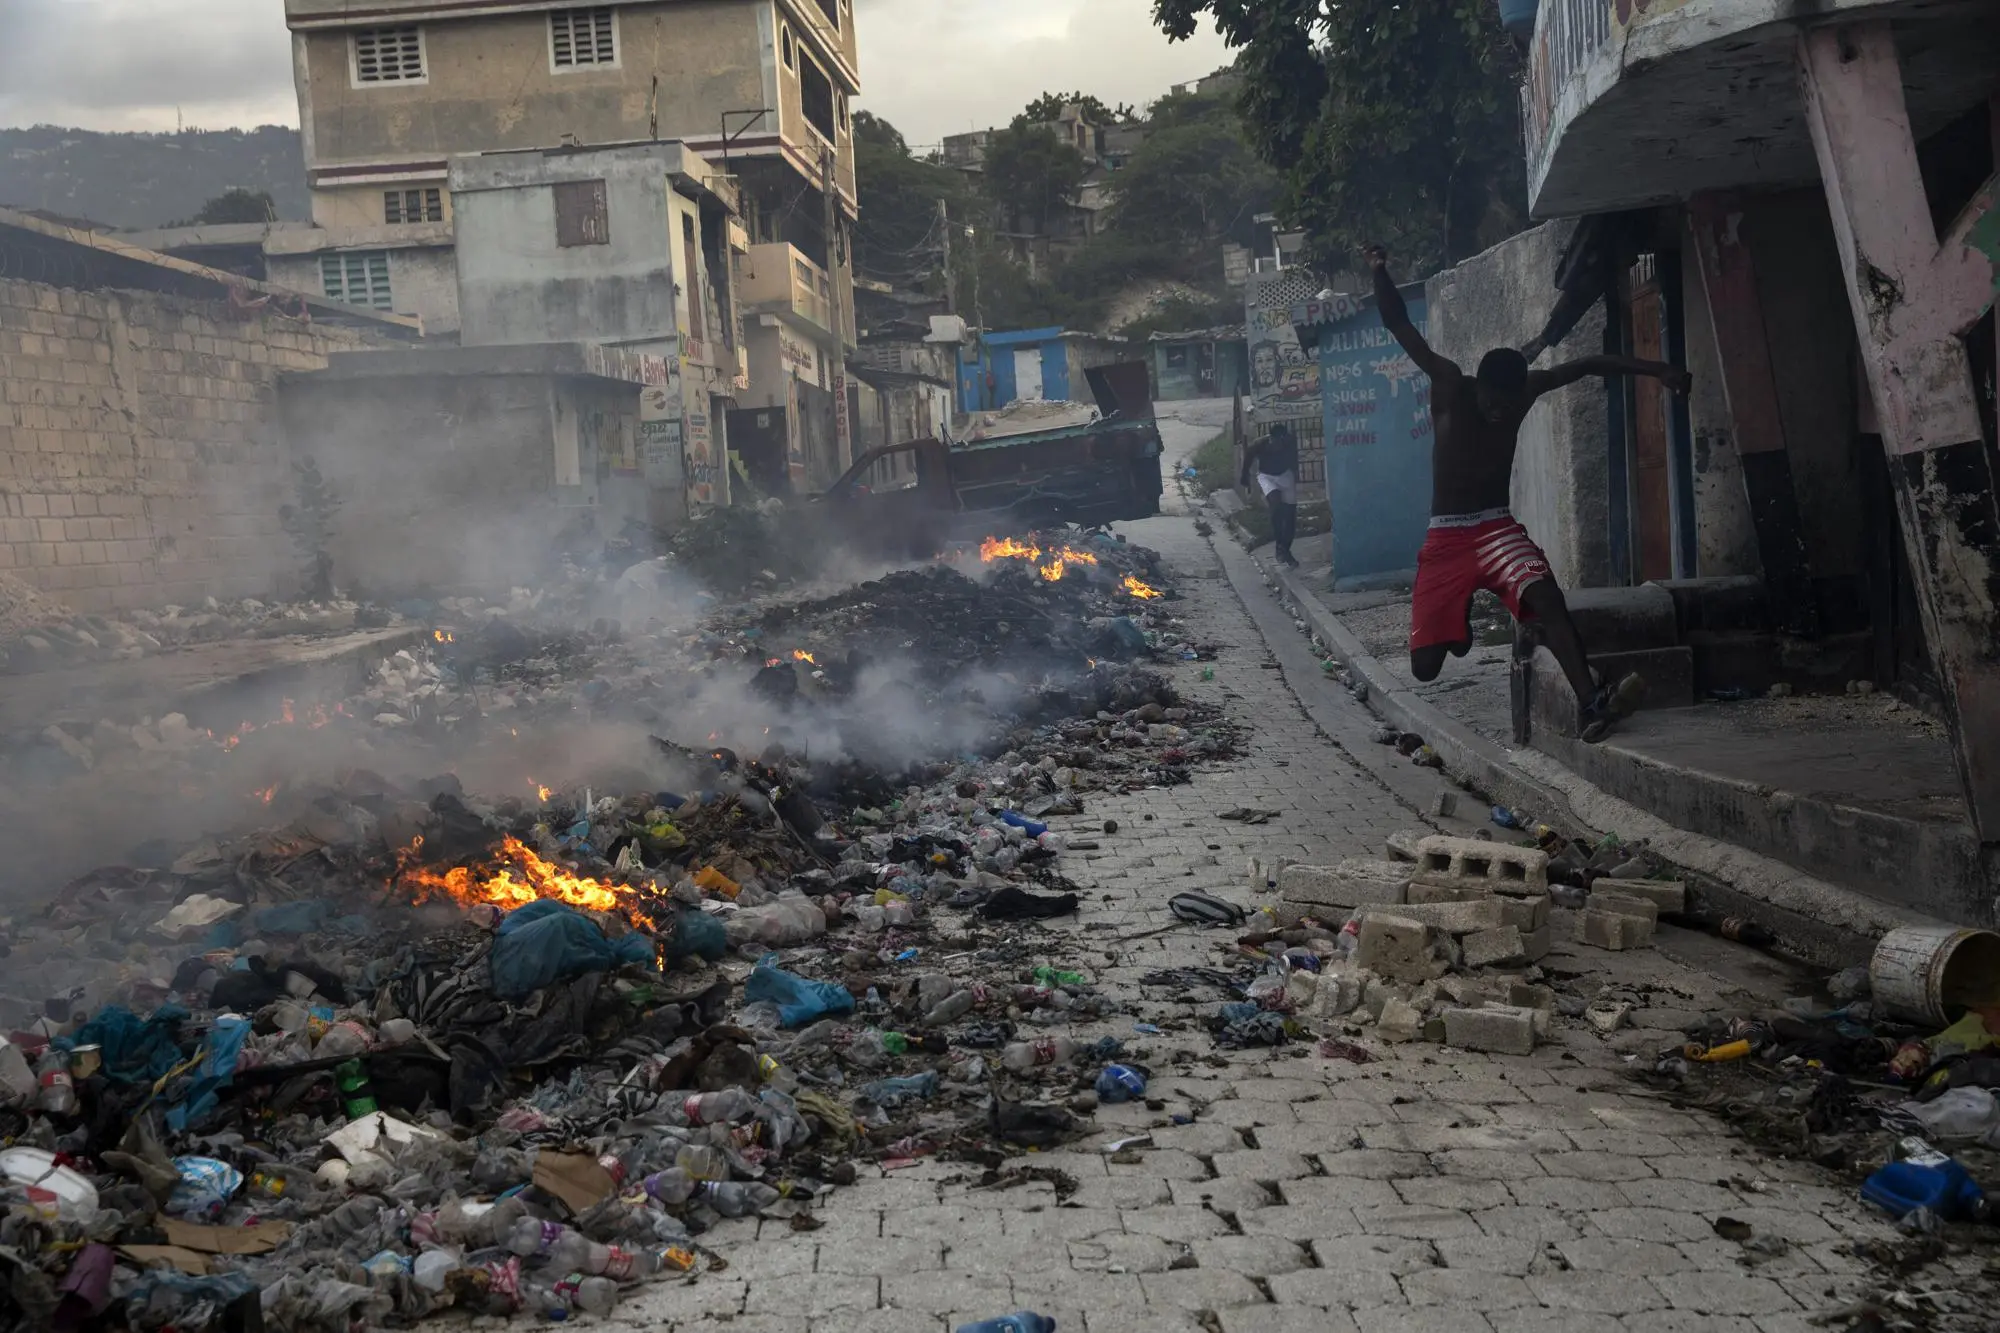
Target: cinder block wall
[141,460]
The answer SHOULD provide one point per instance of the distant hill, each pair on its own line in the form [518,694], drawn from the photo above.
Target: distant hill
[148,180]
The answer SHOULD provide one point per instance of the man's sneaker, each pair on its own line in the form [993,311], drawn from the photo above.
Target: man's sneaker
[1609,706]
[1289,559]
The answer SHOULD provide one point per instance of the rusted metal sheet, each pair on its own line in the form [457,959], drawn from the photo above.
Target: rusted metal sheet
[583,214]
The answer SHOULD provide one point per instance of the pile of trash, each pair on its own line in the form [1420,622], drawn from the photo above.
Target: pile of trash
[417,1050]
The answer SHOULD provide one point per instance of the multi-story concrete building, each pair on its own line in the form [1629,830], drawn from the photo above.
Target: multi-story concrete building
[391,90]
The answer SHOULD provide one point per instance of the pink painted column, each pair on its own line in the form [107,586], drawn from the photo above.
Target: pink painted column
[1913,299]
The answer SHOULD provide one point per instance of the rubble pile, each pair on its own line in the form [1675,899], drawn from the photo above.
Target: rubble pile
[417,1050]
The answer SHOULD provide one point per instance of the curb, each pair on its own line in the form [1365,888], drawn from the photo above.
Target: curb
[1817,921]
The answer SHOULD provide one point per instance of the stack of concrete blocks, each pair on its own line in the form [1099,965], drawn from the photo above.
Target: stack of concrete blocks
[1500,892]
[1619,915]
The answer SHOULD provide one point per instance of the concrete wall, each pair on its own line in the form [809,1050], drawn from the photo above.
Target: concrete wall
[423,281]
[460,482]
[1562,468]
[1171,382]
[491,86]
[141,462]
[517,285]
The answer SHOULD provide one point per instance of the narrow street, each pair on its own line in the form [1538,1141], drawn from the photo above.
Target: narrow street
[1282,1192]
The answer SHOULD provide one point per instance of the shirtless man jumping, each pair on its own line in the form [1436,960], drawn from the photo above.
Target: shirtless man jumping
[1474,541]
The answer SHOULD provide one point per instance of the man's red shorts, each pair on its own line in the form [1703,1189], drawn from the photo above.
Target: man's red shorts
[1459,559]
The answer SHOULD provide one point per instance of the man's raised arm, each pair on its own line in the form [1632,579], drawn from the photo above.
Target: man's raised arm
[1543,381]
[1396,318]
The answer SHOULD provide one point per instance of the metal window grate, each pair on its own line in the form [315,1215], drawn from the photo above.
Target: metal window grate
[359,277]
[413,206]
[583,214]
[389,55]
[582,37]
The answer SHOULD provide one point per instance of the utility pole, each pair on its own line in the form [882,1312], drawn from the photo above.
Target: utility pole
[950,288]
[842,439]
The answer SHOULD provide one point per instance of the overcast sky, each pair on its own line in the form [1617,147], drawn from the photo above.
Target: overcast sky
[933,67]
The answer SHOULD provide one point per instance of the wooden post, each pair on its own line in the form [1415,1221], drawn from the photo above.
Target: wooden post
[1913,298]
[1751,390]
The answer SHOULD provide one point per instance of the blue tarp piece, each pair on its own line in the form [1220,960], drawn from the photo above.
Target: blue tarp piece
[548,941]
[799,1000]
[220,1051]
[136,1050]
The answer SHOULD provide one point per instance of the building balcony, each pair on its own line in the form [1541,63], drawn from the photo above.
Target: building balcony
[1630,103]
[778,280]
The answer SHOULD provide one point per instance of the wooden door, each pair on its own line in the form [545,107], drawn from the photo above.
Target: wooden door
[1652,476]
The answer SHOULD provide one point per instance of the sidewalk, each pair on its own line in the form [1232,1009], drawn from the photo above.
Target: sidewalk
[1657,780]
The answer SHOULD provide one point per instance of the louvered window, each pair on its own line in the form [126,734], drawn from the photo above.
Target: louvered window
[389,55]
[582,37]
[359,277]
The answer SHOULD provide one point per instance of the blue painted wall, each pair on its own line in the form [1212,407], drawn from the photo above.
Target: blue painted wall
[1378,446]
[987,378]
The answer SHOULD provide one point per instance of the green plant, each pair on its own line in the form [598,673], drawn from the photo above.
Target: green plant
[1215,464]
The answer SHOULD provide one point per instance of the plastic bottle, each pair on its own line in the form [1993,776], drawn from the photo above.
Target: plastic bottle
[274,1180]
[1922,1177]
[576,1291]
[357,1094]
[57,1095]
[702,1162]
[671,1187]
[433,1267]
[1120,1083]
[737,1198]
[949,1010]
[18,1083]
[731,1104]
[1024,1055]
[1023,1321]
[479,1226]
[1049,976]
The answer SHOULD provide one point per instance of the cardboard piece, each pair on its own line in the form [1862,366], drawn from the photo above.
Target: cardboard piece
[259,1239]
[573,1177]
[149,1256]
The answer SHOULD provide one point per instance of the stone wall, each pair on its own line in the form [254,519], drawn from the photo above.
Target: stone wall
[141,461]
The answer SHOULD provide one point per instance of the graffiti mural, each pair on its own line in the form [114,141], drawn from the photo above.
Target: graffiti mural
[1568,35]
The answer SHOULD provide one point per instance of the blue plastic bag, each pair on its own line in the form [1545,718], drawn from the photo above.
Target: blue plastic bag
[136,1050]
[799,1000]
[220,1051]
[1032,828]
[548,941]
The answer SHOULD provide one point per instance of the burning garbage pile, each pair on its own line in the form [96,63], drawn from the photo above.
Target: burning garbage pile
[416,1050]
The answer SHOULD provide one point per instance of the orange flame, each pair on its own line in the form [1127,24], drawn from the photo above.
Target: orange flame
[268,794]
[541,790]
[442,636]
[801,655]
[996,548]
[1144,592]
[516,877]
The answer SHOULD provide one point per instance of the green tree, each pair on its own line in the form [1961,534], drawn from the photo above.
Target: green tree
[1194,182]
[1050,106]
[233,206]
[1390,120]
[1031,174]
[897,238]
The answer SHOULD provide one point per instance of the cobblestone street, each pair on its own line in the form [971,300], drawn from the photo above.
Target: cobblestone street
[1432,1189]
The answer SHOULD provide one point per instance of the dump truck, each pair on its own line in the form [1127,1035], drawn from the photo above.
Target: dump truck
[1088,473]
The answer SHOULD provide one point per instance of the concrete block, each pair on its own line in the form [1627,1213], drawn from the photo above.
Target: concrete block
[1471,992]
[1524,914]
[1520,869]
[1376,992]
[1355,882]
[1400,1021]
[1535,943]
[1669,895]
[1526,995]
[1612,930]
[1396,947]
[1493,948]
[1500,1028]
[1339,993]
[1423,892]
[1606,899]
[1461,917]
[1402,846]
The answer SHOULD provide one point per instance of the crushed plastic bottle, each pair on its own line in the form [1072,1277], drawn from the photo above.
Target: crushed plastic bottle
[1120,1083]
[731,1104]
[1924,1178]
[1022,1321]
[1025,1055]
[737,1198]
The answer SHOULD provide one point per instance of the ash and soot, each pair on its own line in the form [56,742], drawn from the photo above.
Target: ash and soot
[705,908]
